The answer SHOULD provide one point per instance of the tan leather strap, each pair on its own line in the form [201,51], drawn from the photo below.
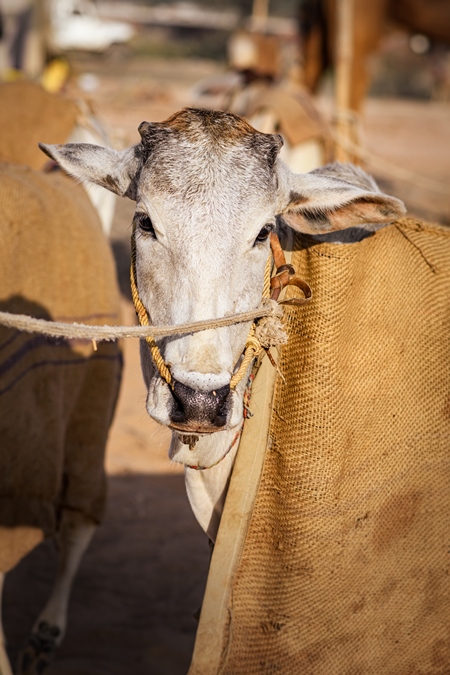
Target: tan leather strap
[285,276]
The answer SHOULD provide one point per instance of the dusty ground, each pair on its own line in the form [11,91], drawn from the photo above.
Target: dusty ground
[143,577]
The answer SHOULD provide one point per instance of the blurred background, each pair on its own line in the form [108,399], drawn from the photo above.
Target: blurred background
[371,85]
[141,59]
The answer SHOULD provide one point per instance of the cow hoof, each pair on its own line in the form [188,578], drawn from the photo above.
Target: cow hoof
[39,650]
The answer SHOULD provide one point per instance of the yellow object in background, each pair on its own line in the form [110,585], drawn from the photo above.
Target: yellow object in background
[55,75]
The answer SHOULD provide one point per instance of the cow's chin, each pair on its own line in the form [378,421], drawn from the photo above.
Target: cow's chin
[160,403]
[204,452]
[200,429]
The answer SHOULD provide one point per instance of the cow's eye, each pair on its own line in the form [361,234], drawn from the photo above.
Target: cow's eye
[145,224]
[265,232]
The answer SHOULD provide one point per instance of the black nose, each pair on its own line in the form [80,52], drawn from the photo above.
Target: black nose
[208,408]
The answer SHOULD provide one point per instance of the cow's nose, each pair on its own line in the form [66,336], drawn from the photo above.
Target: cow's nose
[208,408]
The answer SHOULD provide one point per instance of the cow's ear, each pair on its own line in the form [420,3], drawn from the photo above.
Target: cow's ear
[113,170]
[333,198]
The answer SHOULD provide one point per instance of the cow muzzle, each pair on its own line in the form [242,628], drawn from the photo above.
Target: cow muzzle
[196,411]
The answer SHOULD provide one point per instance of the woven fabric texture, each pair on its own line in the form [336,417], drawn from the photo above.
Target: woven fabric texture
[56,397]
[346,564]
[30,115]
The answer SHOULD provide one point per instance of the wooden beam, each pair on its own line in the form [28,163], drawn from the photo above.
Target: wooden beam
[344,61]
[260,14]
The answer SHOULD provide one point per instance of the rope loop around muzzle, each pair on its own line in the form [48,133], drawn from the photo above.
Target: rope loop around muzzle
[265,332]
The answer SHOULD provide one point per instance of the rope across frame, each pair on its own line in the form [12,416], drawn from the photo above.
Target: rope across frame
[105,333]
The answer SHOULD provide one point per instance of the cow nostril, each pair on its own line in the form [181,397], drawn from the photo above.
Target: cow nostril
[220,420]
[177,413]
[191,405]
[221,394]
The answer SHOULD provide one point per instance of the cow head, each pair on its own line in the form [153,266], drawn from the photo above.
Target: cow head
[209,190]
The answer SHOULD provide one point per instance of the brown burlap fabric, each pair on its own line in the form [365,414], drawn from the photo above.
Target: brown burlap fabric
[56,397]
[30,115]
[345,568]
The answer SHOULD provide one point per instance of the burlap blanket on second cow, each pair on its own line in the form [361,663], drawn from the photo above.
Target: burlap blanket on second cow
[344,567]
[56,397]
[30,115]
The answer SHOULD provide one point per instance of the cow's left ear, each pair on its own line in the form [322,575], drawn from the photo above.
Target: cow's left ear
[335,197]
[113,170]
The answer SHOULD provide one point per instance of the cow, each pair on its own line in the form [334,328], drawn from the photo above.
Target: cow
[57,397]
[345,563]
[210,190]
[29,112]
[317,22]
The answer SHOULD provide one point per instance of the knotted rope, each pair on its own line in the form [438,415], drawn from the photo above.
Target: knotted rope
[82,331]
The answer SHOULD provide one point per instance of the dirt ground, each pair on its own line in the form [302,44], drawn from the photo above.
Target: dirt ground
[143,577]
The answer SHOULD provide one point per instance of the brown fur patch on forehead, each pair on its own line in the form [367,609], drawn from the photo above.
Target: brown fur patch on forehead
[218,128]
[215,123]
[195,122]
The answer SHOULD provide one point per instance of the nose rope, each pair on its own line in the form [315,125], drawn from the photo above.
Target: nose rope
[143,319]
[253,348]
[284,276]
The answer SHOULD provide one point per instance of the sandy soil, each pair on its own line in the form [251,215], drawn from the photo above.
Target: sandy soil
[143,577]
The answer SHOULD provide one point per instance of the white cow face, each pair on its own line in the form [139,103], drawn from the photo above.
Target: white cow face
[208,190]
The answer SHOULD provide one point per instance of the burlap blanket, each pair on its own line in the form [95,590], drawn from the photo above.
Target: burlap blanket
[56,398]
[30,115]
[343,566]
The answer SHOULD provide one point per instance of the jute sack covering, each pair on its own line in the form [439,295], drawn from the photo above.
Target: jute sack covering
[30,115]
[56,397]
[344,567]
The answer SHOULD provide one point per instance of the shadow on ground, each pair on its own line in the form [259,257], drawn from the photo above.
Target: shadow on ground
[137,589]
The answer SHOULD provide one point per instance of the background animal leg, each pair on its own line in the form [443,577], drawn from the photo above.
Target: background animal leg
[5,668]
[75,534]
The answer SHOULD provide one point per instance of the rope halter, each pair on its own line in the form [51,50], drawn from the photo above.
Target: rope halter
[257,340]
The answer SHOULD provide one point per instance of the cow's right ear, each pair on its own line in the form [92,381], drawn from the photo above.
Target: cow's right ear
[113,170]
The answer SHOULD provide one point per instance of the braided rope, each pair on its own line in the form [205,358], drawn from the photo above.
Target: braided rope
[105,333]
[253,347]
[267,275]
[143,319]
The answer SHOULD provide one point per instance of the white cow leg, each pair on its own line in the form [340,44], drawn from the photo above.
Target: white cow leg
[5,668]
[48,631]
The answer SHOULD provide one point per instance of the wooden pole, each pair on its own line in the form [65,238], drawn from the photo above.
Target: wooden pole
[344,60]
[260,14]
